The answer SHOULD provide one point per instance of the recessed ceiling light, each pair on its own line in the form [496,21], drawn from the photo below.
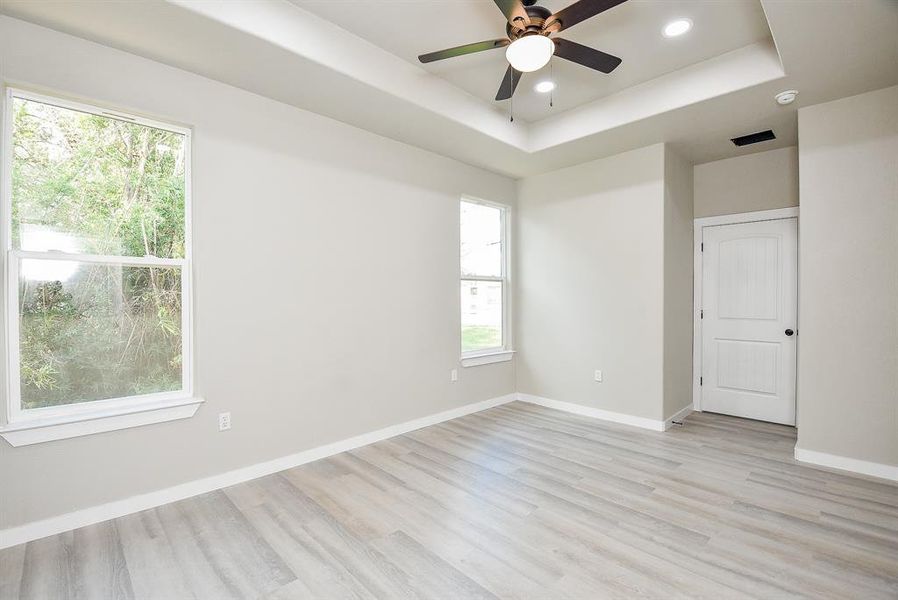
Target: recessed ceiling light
[787,97]
[544,87]
[677,27]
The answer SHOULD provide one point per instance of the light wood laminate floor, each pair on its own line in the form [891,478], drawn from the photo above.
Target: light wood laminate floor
[515,502]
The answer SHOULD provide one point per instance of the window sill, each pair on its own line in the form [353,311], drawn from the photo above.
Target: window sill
[488,358]
[36,431]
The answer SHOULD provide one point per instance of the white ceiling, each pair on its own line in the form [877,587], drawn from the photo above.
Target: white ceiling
[631,31]
[720,88]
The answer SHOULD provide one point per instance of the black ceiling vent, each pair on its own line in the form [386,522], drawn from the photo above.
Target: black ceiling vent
[754,138]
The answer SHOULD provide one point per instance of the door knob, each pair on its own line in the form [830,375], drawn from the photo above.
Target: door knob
[789,332]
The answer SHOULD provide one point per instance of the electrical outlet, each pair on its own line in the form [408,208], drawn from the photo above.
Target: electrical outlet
[598,375]
[453,375]
[224,421]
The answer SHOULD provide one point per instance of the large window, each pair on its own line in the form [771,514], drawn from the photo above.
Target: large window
[484,284]
[97,257]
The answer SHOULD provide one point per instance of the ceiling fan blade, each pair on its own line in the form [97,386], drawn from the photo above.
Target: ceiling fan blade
[514,11]
[586,56]
[578,11]
[462,50]
[509,83]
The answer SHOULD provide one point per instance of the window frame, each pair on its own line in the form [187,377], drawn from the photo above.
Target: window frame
[168,404]
[503,352]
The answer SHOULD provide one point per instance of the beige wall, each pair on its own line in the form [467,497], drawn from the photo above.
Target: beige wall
[761,181]
[848,310]
[326,283]
[595,268]
[678,286]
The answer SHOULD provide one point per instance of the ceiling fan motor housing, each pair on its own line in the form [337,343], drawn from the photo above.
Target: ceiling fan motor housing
[538,16]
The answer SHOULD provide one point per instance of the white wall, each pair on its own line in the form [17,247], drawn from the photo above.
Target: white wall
[760,181]
[326,282]
[678,283]
[594,266]
[848,310]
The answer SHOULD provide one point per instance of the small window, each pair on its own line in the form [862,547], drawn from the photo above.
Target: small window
[483,278]
[98,257]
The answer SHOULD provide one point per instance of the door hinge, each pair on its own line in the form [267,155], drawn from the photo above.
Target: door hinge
[701,314]
[701,381]
[703,246]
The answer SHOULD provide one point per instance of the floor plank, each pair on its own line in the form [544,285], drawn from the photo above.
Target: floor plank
[518,501]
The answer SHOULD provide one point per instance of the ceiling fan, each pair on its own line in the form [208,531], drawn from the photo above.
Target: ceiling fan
[529,45]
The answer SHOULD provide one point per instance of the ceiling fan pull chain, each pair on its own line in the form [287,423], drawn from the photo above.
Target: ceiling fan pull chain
[552,79]
[511,99]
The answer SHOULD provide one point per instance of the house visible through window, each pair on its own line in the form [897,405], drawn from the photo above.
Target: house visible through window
[483,278]
[98,258]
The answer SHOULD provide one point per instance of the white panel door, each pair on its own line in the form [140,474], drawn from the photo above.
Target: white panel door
[750,304]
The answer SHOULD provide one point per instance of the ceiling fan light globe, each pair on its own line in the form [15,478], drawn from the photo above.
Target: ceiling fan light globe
[530,53]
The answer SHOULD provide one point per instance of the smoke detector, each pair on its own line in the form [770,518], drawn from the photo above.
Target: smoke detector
[787,97]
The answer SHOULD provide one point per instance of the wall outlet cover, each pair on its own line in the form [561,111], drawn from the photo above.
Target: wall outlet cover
[224,421]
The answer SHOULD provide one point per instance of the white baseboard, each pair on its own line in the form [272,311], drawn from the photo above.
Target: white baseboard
[678,416]
[844,463]
[96,514]
[597,413]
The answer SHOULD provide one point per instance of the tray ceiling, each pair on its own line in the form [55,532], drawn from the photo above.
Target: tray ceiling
[631,31]
[695,92]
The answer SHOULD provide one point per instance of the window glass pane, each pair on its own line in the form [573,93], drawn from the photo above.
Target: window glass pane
[95,185]
[95,331]
[481,315]
[481,240]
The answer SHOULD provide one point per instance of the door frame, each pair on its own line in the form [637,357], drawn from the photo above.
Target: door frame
[697,274]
